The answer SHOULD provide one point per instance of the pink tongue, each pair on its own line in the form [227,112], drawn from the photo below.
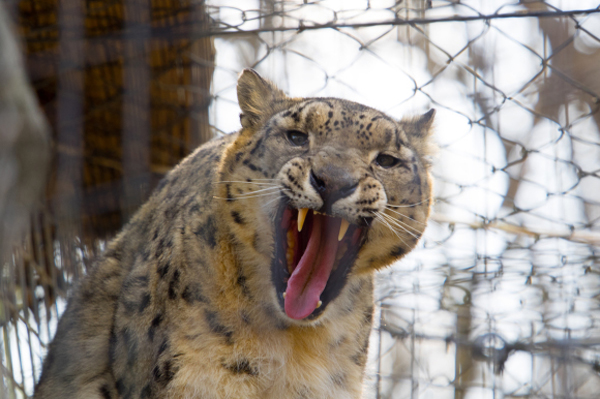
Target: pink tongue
[309,279]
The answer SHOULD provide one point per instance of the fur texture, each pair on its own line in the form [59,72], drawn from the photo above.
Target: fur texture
[183,303]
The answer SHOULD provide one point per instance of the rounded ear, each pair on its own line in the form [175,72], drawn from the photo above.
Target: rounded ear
[256,96]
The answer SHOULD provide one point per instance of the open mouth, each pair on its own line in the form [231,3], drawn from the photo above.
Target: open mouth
[313,255]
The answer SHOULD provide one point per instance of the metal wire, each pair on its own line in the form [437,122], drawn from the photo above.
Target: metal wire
[501,299]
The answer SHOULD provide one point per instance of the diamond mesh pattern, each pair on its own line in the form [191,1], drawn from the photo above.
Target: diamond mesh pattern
[501,299]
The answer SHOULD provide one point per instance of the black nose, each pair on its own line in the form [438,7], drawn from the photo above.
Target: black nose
[332,184]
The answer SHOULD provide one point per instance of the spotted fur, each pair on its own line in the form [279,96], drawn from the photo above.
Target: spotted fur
[182,303]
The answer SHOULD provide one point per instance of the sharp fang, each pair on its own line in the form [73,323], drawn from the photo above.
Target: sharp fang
[343,229]
[319,304]
[284,294]
[301,217]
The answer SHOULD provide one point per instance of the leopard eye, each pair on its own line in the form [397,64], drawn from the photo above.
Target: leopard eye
[386,161]
[297,138]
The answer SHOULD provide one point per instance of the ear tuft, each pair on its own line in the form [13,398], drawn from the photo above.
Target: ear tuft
[255,96]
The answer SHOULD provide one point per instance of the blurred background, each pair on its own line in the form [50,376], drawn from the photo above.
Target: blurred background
[99,99]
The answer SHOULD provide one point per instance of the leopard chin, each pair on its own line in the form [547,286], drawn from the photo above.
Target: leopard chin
[314,252]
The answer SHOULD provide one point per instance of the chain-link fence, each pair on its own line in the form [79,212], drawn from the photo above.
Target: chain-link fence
[502,297]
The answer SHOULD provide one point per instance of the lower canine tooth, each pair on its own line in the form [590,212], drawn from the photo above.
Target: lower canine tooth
[343,229]
[319,304]
[284,294]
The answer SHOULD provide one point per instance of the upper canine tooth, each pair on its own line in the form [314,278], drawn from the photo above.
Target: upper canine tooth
[343,229]
[301,217]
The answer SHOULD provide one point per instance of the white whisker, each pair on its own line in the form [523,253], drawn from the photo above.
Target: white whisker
[260,191]
[400,225]
[408,217]
[405,224]
[395,223]
[408,206]
[271,201]
[380,218]
[245,182]
[248,196]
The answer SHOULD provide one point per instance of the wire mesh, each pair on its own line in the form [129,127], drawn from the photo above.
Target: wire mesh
[501,299]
